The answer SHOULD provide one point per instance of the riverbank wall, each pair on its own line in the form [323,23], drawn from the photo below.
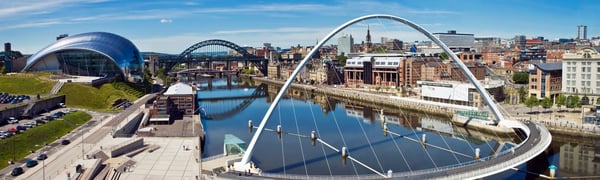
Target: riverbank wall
[392,101]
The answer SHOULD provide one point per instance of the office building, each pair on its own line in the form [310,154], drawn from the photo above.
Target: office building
[545,80]
[344,44]
[581,32]
[580,74]
[456,41]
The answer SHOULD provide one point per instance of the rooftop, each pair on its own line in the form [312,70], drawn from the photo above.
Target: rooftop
[180,89]
[550,66]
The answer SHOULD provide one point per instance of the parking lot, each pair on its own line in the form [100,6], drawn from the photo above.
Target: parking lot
[6,98]
[17,125]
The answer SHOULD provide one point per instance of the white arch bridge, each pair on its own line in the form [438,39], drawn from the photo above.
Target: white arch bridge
[538,137]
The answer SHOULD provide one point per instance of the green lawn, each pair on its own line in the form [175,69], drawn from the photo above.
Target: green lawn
[31,84]
[35,138]
[88,97]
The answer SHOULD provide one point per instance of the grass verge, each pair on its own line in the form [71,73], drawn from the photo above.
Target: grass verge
[35,138]
[31,84]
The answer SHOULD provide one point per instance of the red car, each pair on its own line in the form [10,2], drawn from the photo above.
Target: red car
[12,130]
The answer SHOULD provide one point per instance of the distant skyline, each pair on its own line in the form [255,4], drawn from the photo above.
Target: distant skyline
[172,26]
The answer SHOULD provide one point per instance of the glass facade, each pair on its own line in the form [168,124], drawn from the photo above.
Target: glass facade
[86,63]
[90,54]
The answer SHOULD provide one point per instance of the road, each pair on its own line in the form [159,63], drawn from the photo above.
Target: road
[55,149]
[61,157]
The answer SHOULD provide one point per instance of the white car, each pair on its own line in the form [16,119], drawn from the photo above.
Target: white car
[13,120]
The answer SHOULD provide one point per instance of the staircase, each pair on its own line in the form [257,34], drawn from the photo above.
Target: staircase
[57,87]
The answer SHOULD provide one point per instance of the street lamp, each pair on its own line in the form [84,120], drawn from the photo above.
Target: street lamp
[82,153]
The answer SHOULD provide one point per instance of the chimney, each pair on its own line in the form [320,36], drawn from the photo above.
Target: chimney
[7,51]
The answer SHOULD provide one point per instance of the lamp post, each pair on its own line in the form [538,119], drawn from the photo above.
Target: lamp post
[44,169]
[82,153]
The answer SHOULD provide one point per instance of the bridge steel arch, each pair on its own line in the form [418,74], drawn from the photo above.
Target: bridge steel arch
[219,42]
[262,65]
[244,163]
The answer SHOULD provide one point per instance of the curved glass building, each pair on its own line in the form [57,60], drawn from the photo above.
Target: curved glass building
[90,54]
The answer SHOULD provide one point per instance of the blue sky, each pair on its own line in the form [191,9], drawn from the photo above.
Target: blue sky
[172,26]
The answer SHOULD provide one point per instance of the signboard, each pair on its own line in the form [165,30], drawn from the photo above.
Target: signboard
[483,115]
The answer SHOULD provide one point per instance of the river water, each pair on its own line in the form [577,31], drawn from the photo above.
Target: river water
[359,127]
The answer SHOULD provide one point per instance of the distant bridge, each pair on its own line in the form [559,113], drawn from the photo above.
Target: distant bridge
[213,52]
[261,91]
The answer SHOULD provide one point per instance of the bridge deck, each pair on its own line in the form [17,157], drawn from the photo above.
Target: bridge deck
[539,139]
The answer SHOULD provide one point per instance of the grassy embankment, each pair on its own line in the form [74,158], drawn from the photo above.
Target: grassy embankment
[78,95]
[88,97]
[35,138]
[30,84]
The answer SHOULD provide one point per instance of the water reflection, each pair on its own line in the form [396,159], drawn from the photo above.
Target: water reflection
[341,123]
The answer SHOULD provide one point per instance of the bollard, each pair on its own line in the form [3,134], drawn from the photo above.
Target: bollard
[278,129]
[477,153]
[385,129]
[313,135]
[279,132]
[250,125]
[344,152]
[423,139]
[389,173]
[552,171]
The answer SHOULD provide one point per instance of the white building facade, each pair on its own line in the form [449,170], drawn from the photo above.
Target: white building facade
[581,73]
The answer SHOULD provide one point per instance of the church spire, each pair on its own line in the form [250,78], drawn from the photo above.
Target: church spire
[369,44]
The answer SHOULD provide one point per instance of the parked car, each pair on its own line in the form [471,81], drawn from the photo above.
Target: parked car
[48,118]
[58,114]
[42,156]
[31,163]
[27,125]
[21,128]
[17,171]
[8,134]
[39,121]
[65,142]
[13,120]
[12,130]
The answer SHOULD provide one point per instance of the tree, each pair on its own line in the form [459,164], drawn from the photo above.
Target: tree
[576,101]
[560,100]
[444,56]
[342,59]
[531,102]
[520,77]
[380,50]
[546,103]
[573,102]
[522,94]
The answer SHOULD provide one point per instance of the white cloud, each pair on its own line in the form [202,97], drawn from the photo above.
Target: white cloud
[268,8]
[163,20]
[273,30]
[33,24]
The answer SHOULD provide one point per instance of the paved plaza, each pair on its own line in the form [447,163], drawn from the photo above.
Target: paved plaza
[170,161]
